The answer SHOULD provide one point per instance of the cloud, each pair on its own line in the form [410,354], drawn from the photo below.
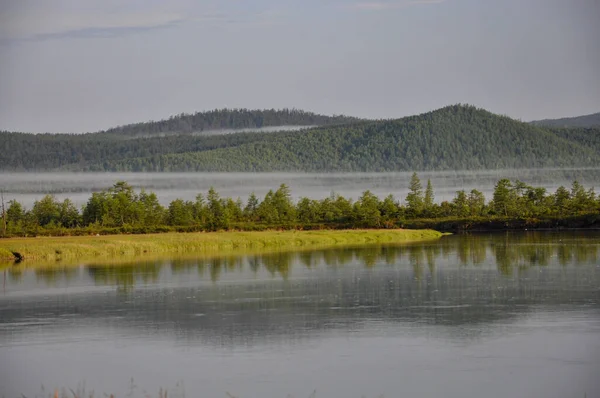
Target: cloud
[28,20]
[42,22]
[389,5]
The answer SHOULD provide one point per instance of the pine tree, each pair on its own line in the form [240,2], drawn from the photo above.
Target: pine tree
[429,198]
[414,199]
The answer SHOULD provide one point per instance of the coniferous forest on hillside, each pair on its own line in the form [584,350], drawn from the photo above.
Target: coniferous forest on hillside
[584,121]
[451,138]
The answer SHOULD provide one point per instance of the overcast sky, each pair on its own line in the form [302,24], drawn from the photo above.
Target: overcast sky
[85,65]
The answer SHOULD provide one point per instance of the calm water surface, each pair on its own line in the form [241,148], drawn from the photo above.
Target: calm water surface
[500,315]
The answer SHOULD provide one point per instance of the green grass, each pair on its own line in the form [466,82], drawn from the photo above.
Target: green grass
[6,254]
[118,246]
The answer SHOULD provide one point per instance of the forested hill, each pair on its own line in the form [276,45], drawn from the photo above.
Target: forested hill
[455,137]
[226,119]
[592,120]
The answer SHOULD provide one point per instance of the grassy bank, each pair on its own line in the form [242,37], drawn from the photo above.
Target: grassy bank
[87,247]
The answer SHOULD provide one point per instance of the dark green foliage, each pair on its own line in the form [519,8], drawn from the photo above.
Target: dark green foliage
[366,211]
[429,199]
[476,203]
[455,137]
[587,137]
[180,213]
[461,204]
[505,199]
[46,211]
[414,200]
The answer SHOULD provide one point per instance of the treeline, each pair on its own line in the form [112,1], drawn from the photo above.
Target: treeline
[121,209]
[453,138]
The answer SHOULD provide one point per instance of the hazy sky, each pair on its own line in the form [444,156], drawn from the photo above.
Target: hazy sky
[84,65]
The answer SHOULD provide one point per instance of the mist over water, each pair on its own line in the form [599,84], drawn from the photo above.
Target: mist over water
[28,187]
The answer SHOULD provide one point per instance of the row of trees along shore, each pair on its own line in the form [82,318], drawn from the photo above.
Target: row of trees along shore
[120,209]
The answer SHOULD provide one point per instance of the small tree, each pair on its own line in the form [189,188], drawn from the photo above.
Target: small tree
[504,198]
[562,201]
[46,211]
[69,214]
[180,213]
[461,205]
[414,199]
[366,210]
[218,218]
[282,201]
[476,202]
[250,211]
[429,197]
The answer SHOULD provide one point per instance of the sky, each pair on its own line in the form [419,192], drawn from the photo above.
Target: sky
[86,65]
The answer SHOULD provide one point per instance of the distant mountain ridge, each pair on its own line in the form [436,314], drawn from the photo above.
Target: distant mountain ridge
[584,121]
[226,119]
[451,138]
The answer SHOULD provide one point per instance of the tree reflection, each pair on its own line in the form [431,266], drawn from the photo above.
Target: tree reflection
[55,274]
[126,276]
[505,251]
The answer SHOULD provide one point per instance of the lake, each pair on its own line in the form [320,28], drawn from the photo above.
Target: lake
[482,315]
[28,187]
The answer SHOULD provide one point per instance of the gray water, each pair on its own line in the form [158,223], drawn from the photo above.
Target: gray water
[487,315]
[28,187]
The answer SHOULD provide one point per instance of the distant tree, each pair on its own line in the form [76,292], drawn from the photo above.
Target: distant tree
[15,216]
[152,212]
[581,200]
[562,201]
[366,210]
[282,202]
[218,218]
[504,198]
[122,205]
[15,212]
[461,204]
[414,199]
[201,213]
[180,213]
[388,209]
[233,209]
[69,214]
[429,199]
[307,211]
[476,203]
[46,211]
[251,209]
[343,208]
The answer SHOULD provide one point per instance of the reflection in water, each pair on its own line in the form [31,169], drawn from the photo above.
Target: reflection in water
[509,252]
[476,302]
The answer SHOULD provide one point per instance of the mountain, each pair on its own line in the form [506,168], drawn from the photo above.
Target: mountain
[592,120]
[226,119]
[454,137]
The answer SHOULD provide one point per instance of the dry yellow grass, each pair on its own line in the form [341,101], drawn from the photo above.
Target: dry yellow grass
[114,246]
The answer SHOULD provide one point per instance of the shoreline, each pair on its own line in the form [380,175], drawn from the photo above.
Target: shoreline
[71,248]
